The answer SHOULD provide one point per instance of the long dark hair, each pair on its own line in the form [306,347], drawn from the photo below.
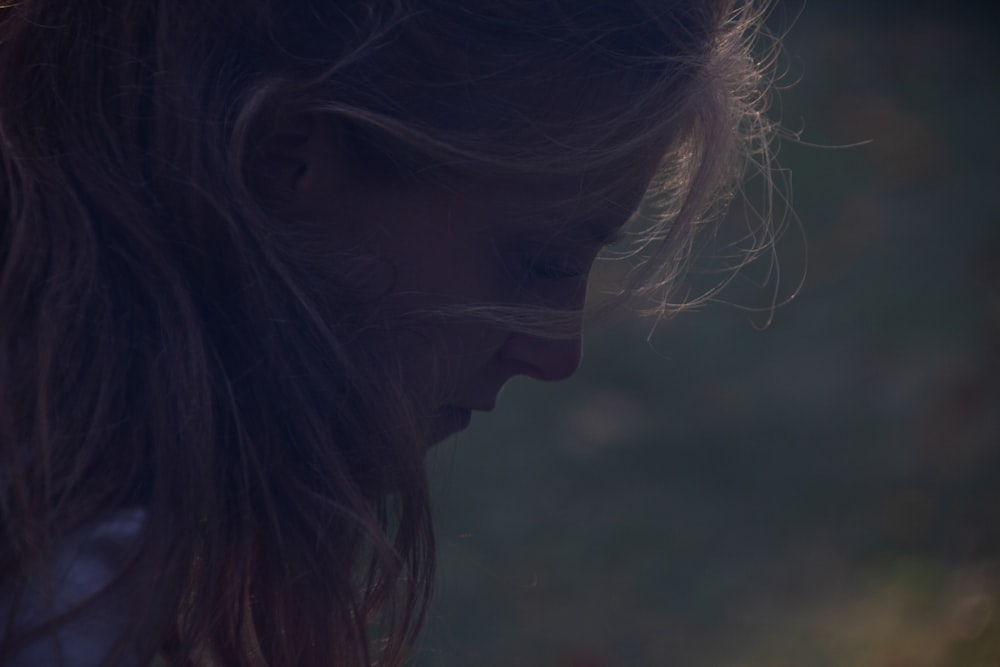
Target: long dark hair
[167,341]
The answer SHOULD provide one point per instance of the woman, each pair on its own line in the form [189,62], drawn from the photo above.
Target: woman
[257,255]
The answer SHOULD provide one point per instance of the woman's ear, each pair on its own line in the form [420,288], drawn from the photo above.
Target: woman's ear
[300,162]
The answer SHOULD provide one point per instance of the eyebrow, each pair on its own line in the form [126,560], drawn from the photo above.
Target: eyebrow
[605,235]
[605,228]
[602,231]
[598,232]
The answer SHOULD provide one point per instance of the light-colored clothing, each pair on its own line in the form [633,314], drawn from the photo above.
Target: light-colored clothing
[81,567]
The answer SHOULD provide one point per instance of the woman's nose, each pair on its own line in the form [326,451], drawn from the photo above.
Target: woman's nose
[548,359]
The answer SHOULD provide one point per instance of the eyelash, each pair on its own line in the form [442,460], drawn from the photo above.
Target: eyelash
[538,269]
[529,265]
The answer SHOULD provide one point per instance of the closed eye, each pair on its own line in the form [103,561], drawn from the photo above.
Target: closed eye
[536,268]
[538,260]
[565,267]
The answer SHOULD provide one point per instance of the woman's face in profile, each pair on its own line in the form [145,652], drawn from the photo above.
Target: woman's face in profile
[472,241]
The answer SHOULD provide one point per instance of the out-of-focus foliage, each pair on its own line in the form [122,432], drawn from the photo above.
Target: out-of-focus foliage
[825,492]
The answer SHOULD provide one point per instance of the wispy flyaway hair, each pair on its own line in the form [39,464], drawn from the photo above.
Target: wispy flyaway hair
[169,341]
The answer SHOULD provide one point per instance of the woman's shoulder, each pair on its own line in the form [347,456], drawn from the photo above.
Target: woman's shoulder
[75,580]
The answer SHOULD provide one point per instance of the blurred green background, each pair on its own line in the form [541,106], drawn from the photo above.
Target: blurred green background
[823,492]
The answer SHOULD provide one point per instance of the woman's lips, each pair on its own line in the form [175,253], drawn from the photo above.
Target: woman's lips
[458,415]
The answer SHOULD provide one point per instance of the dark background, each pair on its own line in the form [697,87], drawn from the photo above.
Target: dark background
[823,492]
